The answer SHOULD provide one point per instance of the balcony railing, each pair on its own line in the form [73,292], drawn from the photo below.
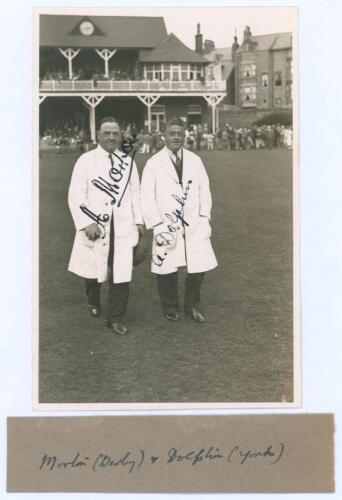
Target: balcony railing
[131,86]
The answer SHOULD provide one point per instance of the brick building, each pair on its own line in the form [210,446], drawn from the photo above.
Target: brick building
[258,73]
[263,71]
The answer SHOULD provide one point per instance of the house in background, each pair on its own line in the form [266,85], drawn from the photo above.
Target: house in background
[258,74]
[263,71]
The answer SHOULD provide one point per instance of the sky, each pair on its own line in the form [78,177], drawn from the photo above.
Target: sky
[217,23]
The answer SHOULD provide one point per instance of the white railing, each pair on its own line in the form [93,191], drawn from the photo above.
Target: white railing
[131,86]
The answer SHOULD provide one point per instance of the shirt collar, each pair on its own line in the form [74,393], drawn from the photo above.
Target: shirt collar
[173,155]
[105,153]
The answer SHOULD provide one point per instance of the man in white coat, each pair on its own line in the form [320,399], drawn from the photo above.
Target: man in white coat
[176,203]
[104,201]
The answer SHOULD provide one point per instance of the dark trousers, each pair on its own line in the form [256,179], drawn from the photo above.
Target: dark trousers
[118,293]
[168,291]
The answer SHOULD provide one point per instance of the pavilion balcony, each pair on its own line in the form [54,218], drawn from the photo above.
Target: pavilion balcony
[131,86]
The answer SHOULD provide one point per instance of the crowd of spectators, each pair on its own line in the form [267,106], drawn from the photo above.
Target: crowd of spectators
[68,136]
[64,137]
[199,137]
[254,137]
[94,74]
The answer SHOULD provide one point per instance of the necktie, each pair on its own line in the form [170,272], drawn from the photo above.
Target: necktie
[178,165]
[111,231]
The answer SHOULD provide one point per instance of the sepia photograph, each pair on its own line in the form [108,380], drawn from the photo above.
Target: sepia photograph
[166,208]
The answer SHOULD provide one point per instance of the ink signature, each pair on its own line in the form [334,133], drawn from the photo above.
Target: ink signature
[99,219]
[112,189]
[166,238]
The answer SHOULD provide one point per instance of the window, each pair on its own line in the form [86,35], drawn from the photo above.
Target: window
[264,80]
[246,70]
[166,71]
[158,117]
[185,72]
[248,94]
[289,93]
[158,108]
[249,70]
[199,68]
[175,72]
[157,75]
[278,101]
[194,109]
[277,79]
[289,69]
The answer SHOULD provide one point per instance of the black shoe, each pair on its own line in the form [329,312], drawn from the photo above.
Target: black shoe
[195,314]
[94,310]
[117,327]
[172,316]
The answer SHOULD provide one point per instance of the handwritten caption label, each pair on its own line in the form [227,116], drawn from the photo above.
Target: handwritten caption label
[133,460]
[281,453]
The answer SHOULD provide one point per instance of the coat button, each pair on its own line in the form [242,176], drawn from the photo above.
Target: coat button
[104,244]
[112,202]
[106,203]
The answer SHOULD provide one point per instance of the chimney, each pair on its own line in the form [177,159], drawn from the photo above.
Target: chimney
[209,46]
[235,46]
[199,40]
[247,34]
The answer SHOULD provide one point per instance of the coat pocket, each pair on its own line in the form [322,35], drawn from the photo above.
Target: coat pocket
[204,228]
[84,240]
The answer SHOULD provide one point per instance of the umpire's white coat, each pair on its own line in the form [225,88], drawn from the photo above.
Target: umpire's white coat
[89,258]
[187,243]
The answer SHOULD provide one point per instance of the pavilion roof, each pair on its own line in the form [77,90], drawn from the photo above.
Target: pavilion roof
[109,31]
[172,50]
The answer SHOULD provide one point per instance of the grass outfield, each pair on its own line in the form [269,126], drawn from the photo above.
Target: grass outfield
[244,351]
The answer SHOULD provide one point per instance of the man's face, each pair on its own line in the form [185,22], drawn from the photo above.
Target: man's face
[174,137]
[109,136]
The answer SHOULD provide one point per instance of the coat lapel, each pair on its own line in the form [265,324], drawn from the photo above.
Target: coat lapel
[102,163]
[168,166]
[186,167]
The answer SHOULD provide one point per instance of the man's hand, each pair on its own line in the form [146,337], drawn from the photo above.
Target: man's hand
[92,232]
[141,229]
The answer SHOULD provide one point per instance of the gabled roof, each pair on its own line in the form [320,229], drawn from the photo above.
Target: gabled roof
[273,41]
[219,54]
[227,68]
[172,50]
[109,31]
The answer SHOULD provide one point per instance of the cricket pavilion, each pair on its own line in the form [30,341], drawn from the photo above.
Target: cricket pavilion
[129,67]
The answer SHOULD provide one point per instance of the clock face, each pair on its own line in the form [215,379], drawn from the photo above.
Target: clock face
[87,28]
